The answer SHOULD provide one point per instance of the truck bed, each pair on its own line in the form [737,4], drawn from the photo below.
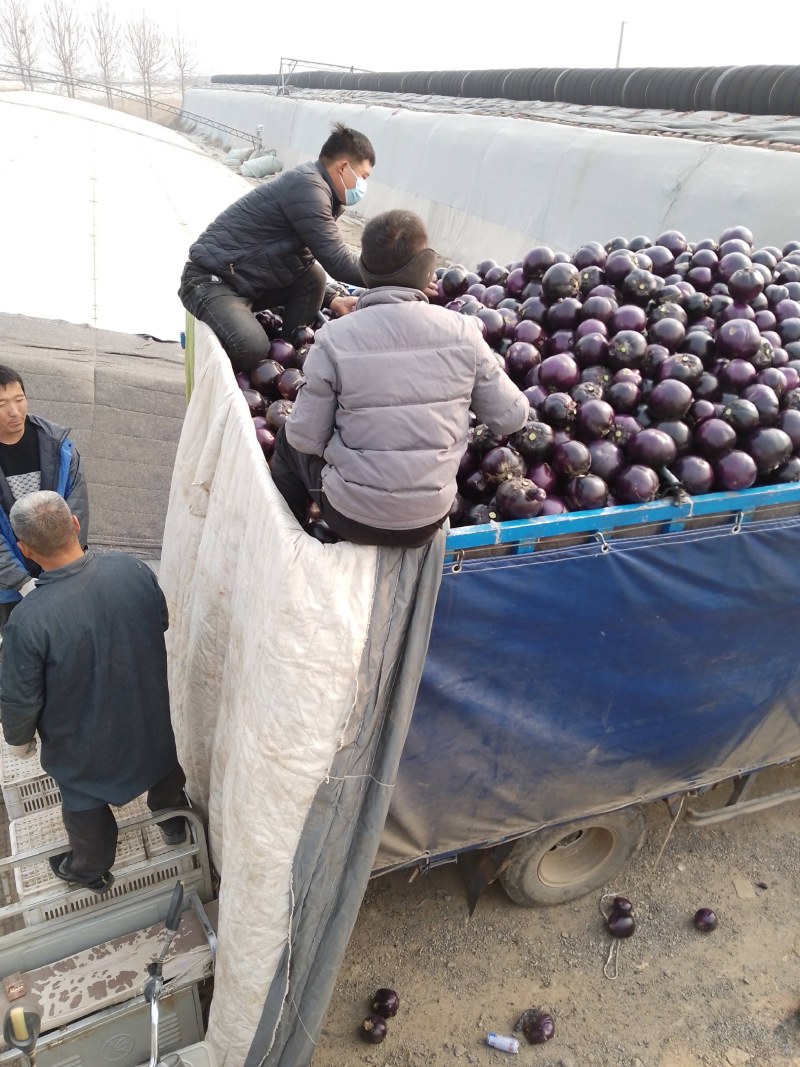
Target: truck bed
[582,663]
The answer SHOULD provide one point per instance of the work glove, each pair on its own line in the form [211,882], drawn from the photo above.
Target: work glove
[27,587]
[27,751]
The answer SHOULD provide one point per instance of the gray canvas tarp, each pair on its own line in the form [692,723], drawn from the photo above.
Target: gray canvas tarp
[340,838]
[293,672]
[123,399]
[338,845]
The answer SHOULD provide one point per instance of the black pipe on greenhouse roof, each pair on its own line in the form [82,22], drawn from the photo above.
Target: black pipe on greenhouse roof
[483,84]
[746,90]
[607,85]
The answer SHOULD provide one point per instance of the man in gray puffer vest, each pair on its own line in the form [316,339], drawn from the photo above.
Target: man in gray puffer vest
[273,247]
[378,430]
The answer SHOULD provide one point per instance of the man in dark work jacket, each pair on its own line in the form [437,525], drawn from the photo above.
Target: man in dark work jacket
[84,665]
[273,247]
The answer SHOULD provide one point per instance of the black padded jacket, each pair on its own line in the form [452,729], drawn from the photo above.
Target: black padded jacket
[272,235]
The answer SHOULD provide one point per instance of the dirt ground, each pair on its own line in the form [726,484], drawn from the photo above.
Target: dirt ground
[729,998]
[681,999]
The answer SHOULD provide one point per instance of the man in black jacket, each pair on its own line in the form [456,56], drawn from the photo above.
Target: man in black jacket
[85,666]
[273,247]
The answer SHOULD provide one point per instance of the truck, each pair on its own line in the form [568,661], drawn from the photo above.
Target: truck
[579,667]
[583,665]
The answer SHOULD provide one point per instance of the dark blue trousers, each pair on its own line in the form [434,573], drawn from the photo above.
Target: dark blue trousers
[93,833]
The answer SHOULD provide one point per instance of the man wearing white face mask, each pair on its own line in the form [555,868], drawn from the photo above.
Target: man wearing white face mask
[273,247]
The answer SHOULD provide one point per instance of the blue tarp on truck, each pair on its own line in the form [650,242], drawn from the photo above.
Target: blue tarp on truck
[579,679]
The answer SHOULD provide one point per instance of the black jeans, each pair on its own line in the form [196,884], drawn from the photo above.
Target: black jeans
[298,476]
[93,833]
[231,317]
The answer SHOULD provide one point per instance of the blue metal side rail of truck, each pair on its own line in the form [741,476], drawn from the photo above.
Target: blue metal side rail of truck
[584,664]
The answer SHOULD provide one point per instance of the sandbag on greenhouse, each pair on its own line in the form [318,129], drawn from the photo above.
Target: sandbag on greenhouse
[237,156]
[261,166]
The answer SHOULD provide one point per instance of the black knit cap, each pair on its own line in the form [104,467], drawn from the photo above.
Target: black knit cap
[415,274]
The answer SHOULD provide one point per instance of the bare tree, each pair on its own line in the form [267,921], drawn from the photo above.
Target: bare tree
[105,42]
[64,35]
[149,51]
[18,37]
[184,58]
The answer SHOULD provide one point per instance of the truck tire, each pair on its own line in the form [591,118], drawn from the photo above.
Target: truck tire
[565,862]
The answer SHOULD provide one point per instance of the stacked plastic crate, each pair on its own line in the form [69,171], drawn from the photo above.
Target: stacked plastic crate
[26,787]
[33,803]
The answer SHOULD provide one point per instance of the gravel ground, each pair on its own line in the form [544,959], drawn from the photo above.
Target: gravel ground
[681,998]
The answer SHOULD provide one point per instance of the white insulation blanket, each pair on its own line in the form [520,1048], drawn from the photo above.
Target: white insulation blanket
[253,602]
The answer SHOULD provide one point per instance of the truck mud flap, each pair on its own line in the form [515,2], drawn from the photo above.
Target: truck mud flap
[480,867]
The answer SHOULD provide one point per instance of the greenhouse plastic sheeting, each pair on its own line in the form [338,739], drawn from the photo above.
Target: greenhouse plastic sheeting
[100,210]
[492,186]
[294,668]
[576,681]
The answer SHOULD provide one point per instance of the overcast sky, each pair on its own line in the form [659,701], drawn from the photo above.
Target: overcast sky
[247,36]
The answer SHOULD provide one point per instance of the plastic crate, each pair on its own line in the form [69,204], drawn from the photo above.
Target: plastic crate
[36,881]
[26,788]
[154,843]
[26,798]
[123,885]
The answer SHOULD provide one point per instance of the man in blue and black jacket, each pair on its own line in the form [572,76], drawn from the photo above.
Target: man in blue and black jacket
[34,454]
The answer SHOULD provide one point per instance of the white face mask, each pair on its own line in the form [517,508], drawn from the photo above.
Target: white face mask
[352,196]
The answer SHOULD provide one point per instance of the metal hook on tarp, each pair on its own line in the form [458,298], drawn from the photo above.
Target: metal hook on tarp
[422,867]
[458,561]
[604,545]
[737,525]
